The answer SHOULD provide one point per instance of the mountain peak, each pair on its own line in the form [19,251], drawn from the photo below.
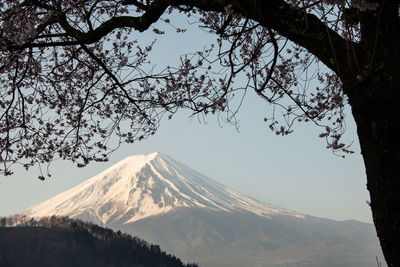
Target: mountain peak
[145,185]
[138,160]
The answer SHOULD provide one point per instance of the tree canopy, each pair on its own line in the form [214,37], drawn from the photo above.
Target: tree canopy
[72,71]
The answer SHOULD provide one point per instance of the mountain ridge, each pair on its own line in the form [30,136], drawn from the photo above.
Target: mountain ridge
[66,242]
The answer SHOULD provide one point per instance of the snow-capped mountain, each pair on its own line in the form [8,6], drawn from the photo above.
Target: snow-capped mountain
[147,185]
[199,220]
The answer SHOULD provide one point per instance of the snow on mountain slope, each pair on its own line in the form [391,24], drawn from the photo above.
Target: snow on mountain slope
[145,185]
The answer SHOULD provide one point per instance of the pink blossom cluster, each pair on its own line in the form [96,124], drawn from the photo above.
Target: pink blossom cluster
[76,82]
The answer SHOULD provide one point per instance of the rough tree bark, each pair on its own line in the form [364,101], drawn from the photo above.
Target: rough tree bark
[376,112]
[375,102]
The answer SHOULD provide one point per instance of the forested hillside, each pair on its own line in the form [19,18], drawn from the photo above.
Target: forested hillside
[61,241]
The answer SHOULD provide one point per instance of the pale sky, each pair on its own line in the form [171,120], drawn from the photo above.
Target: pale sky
[295,172]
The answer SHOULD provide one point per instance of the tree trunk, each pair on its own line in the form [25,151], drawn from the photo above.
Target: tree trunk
[376,108]
[379,140]
[375,102]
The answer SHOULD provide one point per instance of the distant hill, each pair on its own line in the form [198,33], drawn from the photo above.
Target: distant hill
[61,241]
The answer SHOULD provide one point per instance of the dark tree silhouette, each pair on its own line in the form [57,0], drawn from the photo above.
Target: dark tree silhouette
[71,71]
[61,241]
